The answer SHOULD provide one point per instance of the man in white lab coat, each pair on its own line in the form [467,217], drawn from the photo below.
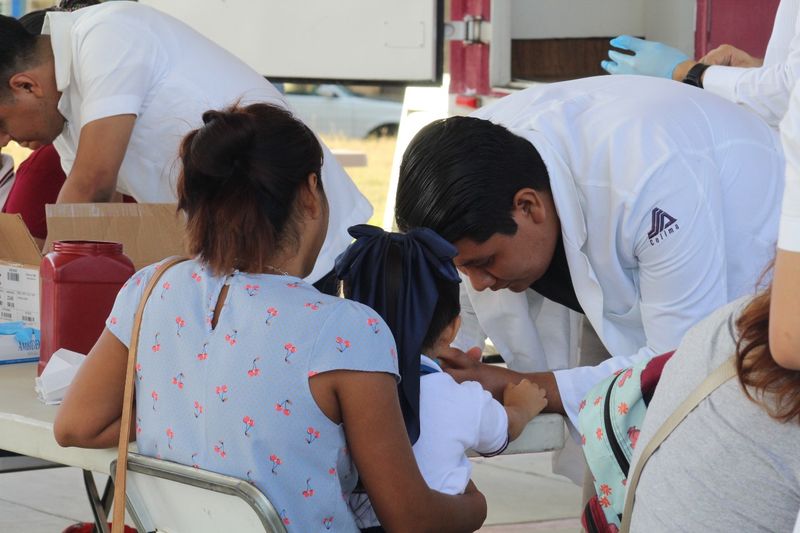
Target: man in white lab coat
[640,203]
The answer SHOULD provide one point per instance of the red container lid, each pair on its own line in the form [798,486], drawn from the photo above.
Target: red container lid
[87,247]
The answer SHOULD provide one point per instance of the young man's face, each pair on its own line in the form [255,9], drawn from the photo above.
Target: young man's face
[28,120]
[513,262]
[29,107]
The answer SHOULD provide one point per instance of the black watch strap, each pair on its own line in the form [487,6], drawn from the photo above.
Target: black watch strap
[695,75]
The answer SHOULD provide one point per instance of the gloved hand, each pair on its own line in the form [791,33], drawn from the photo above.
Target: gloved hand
[651,58]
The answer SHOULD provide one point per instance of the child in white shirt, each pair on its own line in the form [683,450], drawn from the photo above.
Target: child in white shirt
[410,280]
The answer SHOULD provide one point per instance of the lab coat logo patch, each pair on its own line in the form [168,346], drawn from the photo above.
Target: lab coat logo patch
[663,225]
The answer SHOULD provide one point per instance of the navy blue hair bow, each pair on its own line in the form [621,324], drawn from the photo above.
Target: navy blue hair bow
[395,274]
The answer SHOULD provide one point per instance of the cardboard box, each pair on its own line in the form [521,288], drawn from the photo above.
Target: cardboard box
[19,272]
[148,233]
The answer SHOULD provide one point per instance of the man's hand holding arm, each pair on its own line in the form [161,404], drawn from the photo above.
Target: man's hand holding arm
[101,149]
[466,366]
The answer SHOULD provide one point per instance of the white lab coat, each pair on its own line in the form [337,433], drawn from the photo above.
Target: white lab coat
[765,90]
[618,148]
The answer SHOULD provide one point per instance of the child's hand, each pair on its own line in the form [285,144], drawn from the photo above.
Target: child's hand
[526,396]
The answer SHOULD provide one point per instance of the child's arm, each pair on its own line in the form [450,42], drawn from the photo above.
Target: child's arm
[522,402]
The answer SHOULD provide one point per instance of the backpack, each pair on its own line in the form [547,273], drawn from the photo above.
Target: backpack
[609,420]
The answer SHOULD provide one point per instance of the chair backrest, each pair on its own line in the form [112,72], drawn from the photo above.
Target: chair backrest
[173,498]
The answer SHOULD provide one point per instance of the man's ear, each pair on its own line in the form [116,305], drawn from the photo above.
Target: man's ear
[530,203]
[24,83]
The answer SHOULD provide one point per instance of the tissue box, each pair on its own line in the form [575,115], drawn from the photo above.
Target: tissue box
[14,351]
[58,375]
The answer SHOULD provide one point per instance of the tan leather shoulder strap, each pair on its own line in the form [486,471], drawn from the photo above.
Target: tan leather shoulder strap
[118,521]
[723,373]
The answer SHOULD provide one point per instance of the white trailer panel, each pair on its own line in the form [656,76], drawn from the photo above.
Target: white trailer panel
[354,40]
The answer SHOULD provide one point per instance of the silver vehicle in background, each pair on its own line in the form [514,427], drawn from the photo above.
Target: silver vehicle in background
[331,109]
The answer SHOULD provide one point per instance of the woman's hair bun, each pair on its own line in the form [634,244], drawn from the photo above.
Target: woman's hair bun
[218,150]
[245,164]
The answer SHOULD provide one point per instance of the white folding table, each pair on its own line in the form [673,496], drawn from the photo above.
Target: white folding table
[26,428]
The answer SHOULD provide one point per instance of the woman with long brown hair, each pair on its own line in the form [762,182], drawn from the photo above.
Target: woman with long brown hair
[732,464]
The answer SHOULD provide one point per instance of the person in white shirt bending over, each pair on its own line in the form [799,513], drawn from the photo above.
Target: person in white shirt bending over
[116,87]
[410,280]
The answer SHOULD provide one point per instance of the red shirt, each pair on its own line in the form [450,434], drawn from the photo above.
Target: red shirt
[38,182]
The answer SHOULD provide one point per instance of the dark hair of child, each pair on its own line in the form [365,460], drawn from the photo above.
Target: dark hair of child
[447,308]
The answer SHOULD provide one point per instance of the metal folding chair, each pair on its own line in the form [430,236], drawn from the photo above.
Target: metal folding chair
[168,497]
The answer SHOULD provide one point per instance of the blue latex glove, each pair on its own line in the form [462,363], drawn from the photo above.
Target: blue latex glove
[651,58]
[22,333]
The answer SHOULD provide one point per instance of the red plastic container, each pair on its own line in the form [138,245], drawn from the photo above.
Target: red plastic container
[79,283]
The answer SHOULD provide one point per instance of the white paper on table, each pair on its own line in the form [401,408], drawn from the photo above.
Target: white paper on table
[57,375]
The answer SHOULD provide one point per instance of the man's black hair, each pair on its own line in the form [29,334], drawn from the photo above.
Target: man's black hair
[459,177]
[17,50]
[34,21]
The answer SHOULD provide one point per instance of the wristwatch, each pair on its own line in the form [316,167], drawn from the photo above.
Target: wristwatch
[695,75]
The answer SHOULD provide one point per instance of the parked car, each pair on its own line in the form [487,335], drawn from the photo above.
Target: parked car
[336,110]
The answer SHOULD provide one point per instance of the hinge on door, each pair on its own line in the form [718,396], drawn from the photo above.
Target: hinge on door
[470,30]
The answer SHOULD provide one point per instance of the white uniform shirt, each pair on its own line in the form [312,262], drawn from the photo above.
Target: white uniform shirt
[668,199]
[126,58]
[765,90]
[453,418]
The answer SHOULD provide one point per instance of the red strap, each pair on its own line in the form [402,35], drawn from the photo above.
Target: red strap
[652,374]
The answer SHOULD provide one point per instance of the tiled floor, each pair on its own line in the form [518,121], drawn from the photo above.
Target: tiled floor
[523,495]
[42,501]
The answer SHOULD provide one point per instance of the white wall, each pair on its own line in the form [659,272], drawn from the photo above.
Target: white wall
[546,19]
[323,39]
[671,22]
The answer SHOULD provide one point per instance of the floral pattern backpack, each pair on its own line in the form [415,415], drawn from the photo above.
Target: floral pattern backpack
[609,420]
